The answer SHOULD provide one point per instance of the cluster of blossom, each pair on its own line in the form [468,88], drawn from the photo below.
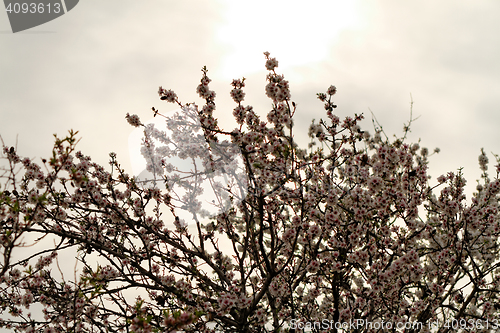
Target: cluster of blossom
[167,95]
[133,120]
[203,90]
[237,93]
[333,233]
[277,89]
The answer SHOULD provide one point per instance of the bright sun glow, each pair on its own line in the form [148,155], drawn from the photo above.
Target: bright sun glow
[296,32]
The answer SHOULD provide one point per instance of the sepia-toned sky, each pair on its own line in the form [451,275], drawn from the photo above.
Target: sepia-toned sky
[88,68]
[103,59]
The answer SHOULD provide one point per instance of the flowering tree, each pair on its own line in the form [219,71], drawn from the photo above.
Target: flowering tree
[348,235]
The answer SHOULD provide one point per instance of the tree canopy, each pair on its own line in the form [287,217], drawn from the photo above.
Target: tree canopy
[347,235]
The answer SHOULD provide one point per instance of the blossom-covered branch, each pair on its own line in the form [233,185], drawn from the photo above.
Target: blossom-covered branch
[349,230]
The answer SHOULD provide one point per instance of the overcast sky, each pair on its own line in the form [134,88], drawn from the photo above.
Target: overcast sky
[88,68]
